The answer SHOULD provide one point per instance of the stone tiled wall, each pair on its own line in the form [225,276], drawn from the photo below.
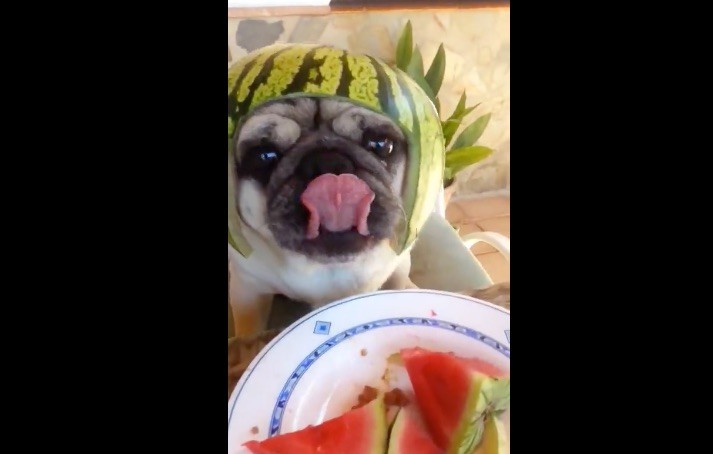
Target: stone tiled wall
[477,43]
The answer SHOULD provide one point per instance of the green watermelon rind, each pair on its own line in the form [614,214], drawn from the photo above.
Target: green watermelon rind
[381,431]
[409,431]
[487,398]
[494,438]
[396,429]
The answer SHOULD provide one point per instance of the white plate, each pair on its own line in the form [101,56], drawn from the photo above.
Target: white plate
[317,367]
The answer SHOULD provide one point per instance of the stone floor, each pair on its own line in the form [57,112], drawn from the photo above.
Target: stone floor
[484,214]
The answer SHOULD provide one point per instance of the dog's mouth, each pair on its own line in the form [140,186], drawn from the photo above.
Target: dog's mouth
[331,199]
[332,215]
[337,204]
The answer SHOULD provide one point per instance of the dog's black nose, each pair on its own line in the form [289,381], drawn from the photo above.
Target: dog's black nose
[320,162]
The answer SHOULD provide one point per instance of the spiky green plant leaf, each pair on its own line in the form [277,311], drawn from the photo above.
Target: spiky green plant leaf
[451,125]
[415,70]
[461,105]
[472,133]
[437,70]
[460,158]
[415,65]
[404,47]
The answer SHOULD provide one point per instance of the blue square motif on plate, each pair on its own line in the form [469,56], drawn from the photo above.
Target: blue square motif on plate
[321,327]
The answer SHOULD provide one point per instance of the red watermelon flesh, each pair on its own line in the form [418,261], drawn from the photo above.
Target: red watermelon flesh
[409,435]
[453,395]
[475,364]
[360,431]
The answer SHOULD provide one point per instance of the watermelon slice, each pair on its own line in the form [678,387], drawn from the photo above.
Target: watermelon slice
[475,364]
[360,431]
[455,396]
[409,435]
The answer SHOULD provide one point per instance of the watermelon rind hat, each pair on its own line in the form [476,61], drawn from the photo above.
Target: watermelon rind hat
[300,70]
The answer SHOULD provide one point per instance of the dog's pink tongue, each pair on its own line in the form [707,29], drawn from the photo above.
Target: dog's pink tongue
[337,203]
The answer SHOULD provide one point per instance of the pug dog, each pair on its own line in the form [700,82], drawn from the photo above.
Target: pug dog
[318,186]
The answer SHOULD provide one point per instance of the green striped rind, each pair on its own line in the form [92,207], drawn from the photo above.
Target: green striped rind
[425,171]
[402,106]
[325,78]
[380,429]
[364,85]
[487,397]
[286,65]
[289,70]
[495,439]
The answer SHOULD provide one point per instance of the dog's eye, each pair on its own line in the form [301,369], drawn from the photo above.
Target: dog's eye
[263,157]
[382,147]
[268,156]
[258,162]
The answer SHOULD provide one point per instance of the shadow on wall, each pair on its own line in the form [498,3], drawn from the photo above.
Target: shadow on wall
[254,34]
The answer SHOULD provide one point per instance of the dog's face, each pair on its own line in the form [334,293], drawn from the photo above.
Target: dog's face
[320,177]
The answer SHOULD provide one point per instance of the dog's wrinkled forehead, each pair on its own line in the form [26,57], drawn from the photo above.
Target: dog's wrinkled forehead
[282,123]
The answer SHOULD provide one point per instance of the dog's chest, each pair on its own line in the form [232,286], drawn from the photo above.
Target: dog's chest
[318,284]
[271,271]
